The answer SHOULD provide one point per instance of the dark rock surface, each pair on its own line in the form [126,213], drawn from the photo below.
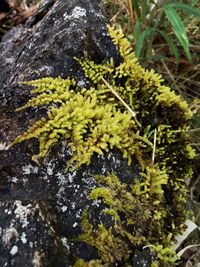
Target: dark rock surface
[41,204]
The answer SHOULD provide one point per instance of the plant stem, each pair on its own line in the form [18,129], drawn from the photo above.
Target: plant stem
[120,99]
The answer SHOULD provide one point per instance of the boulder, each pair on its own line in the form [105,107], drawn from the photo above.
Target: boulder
[42,205]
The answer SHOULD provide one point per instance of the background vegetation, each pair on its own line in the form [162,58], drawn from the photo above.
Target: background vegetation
[166,36]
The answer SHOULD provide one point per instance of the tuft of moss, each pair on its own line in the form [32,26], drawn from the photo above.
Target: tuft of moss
[139,213]
[77,115]
[128,108]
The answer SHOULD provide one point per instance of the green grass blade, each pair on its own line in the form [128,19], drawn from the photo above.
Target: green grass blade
[193,11]
[171,44]
[178,28]
[145,8]
[194,2]
[136,7]
[137,29]
[140,41]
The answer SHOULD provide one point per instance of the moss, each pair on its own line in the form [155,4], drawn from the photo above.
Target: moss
[136,210]
[110,247]
[128,108]
[93,263]
[89,125]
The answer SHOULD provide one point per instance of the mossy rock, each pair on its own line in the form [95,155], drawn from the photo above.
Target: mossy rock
[128,109]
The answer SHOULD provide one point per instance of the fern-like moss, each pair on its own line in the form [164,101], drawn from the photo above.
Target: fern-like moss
[89,126]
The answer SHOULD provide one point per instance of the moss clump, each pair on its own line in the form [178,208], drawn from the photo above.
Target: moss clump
[139,212]
[128,108]
[76,114]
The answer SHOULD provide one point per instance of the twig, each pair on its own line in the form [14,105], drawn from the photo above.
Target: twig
[194,144]
[194,130]
[154,146]
[131,11]
[17,3]
[171,76]
[120,99]
[114,17]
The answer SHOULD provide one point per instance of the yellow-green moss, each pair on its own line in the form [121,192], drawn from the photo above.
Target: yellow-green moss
[89,126]
[136,210]
[94,120]
[128,108]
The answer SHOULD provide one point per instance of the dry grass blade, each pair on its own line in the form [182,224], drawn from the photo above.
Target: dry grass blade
[191,226]
[154,147]
[120,99]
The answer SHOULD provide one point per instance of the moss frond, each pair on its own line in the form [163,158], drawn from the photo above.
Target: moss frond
[89,126]
[50,90]
[154,179]
[110,248]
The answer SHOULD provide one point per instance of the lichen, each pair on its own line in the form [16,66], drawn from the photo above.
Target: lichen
[128,108]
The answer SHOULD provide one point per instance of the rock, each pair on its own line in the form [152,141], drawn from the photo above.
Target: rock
[48,214]
[4,6]
[41,205]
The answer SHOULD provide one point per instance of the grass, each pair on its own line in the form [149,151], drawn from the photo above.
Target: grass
[166,37]
[19,11]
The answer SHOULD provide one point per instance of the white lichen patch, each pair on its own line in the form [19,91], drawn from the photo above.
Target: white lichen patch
[47,69]
[64,208]
[96,202]
[77,12]
[23,238]
[64,242]
[75,225]
[46,178]
[91,182]
[49,171]
[28,169]
[117,162]
[22,213]
[61,178]
[3,146]
[10,234]
[103,170]
[50,167]
[9,212]
[37,259]
[78,214]
[109,156]
[71,177]
[14,250]
[14,180]
[30,244]
[73,205]
[81,83]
